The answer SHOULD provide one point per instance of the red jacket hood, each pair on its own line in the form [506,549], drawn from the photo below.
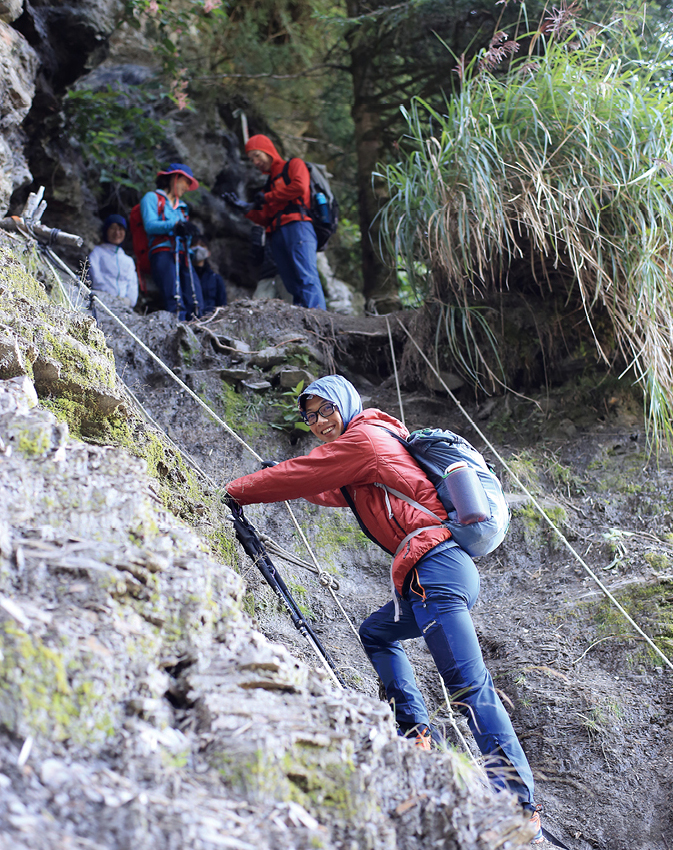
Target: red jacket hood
[379,417]
[277,193]
[264,144]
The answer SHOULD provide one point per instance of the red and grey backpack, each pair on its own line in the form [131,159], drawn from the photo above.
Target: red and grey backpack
[324,208]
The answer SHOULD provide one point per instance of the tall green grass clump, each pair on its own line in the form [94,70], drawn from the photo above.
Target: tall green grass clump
[553,157]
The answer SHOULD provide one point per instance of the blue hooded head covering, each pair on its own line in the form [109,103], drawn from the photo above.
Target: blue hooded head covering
[339,391]
[113,219]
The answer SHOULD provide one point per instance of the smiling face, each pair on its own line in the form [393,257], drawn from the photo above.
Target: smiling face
[261,160]
[327,428]
[115,234]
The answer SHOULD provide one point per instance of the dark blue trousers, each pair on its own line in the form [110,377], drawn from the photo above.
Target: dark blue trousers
[183,282]
[294,250]
[444,587]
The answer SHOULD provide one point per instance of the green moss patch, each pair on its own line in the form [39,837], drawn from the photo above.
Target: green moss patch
[42,694]
[17,275]
[536,530]
[315,776]
[650,606]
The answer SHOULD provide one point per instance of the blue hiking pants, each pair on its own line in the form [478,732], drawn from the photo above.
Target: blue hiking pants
[444,587]
[172,282]
[294,250]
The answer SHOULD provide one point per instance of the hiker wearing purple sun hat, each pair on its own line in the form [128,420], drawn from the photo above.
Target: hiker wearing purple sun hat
[166,221]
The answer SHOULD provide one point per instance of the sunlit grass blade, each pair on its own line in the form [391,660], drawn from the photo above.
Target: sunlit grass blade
[562,166]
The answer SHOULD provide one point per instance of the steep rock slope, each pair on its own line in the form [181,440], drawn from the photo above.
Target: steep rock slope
[18,68]
[591,702]
[138,705]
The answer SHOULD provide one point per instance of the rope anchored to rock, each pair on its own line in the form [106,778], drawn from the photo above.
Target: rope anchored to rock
[328,581]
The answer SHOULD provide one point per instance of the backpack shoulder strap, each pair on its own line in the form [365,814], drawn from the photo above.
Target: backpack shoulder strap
[161,204]
[399,495]
[440,522]
[297,205]
[367,533]
[410,501]
[405,498]
[285,173]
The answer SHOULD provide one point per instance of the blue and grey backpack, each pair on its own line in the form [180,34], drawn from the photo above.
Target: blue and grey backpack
[434,451]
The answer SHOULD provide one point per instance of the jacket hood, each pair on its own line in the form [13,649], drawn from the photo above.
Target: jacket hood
[264,144]
[336,389]
[373,416]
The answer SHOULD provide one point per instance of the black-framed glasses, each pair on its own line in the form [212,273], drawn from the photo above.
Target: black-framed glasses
[325,410]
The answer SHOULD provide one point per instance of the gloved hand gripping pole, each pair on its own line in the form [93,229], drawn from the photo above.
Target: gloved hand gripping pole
[253,546]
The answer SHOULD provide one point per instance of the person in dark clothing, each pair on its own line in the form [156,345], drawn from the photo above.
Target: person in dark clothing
[212,284]
[282,208]
[169,232]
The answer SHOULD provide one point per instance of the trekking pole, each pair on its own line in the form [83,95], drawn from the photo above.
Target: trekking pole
[178,301]
[197,311]
[250,541]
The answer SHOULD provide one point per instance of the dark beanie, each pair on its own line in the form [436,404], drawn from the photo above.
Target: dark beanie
[113,219]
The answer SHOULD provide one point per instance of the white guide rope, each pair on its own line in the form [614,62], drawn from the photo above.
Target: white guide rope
[540,509]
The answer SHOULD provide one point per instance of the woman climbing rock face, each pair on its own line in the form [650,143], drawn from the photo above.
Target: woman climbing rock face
[434,582]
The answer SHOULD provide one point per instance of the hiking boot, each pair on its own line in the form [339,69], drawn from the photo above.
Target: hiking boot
[537,826]
[424,738]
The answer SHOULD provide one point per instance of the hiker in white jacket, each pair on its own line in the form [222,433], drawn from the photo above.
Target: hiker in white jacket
[111,269]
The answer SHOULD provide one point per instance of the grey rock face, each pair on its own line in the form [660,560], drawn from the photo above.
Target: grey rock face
[64,39]
[291,377]
[139,705]
[11,360]
[10,10]
[18,67]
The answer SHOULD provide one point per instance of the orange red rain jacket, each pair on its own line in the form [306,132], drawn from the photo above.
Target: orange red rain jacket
[363,455]
[297,192]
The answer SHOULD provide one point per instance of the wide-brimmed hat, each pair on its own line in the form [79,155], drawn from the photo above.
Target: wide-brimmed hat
[185,170]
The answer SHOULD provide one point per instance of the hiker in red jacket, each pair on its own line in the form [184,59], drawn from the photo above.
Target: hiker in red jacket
[433,581]
[282,208]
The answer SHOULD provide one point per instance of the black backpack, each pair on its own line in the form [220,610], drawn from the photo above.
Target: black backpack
[324,210]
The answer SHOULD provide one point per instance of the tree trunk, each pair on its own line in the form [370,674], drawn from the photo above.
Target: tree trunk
[380,287]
